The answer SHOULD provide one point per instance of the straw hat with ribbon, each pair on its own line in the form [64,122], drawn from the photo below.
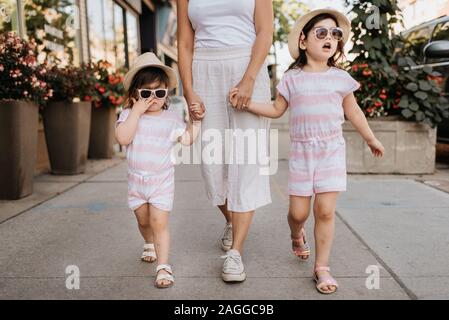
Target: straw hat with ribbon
[146,60]
[293,37]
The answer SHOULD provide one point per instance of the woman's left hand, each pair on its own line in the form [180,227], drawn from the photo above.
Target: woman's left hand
[245,91]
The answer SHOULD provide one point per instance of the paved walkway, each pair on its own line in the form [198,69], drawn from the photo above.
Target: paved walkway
[396,223]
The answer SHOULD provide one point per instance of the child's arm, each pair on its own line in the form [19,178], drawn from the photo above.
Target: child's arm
[269,110]
[193,126]
[358,120]
[191,133]
[125,131]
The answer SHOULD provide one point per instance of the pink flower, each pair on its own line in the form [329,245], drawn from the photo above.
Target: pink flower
[2,68]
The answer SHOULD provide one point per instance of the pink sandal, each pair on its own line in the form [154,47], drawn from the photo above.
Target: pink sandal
[301,249]
[324,281]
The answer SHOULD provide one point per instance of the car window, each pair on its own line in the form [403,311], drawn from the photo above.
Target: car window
[441,32]
[416,41]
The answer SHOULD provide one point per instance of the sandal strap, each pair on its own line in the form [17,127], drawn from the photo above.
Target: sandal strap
[151,254]
[168,277]
[322,269]
[165,267]
[147,246]
[326,281]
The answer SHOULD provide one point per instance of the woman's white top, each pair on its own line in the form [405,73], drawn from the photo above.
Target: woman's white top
[223,23]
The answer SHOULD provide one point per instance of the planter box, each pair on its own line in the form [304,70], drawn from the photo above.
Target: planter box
[409,148]
[67,129]
[18,145]
[42,160]
[102,133]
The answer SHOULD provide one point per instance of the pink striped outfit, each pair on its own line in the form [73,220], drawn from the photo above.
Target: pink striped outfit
[318,153]
[151,172]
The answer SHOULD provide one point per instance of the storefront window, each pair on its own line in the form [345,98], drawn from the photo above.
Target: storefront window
[55,26]
[107,32]
[8,16]
[133,36]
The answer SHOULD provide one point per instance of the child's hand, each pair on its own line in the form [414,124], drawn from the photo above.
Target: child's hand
[232,97]
[197,111]
[141,105]
[376,147]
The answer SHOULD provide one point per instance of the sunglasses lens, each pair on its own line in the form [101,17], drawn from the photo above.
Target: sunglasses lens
[160,94]
[337,34]
[145,94]
[321,33]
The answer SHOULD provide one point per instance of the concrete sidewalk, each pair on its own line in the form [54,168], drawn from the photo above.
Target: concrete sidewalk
[396,223]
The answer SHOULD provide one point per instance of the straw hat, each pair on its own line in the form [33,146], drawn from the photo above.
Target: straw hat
[293,37]
[146,60]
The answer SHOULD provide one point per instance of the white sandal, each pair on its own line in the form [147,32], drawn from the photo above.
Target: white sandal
[148,252]
[160,277]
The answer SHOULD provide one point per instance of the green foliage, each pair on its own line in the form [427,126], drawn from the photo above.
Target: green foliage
[390,83]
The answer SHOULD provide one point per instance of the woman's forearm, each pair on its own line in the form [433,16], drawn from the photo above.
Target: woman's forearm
[185,58]
[191,133]
[260,50]
[186,37]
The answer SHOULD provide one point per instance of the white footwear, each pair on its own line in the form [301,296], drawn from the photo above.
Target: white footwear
[148,252]
[226,240]
[233,269]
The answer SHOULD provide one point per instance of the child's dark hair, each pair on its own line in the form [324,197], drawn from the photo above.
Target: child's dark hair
[143,77]
[301,61]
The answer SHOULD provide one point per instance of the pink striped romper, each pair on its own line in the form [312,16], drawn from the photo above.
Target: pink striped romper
[151,172]
[318,152]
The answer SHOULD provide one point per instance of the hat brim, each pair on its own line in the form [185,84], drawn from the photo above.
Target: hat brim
[172,78]
[293,38]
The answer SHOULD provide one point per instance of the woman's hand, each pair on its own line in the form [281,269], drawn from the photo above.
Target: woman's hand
[245,91]
[233,97]
[194,99]
[376,147]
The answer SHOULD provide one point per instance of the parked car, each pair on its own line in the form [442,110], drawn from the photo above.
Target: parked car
[429,44]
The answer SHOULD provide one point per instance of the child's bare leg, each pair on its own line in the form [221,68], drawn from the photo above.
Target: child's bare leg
[324,210]
[143,221]
[159,224]
[297,216]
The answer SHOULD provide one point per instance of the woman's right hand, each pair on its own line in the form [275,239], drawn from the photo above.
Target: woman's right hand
[192,99]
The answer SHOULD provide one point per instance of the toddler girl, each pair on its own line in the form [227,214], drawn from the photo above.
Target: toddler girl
[150,131]
[319,96]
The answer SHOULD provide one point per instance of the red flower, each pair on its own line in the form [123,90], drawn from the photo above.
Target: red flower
[395,106]
[355,68]
[369,110]
[101,90]
[383,96]
[87,98]
[367,72]
[378,104]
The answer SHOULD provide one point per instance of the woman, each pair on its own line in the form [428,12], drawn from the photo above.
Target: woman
[223,44]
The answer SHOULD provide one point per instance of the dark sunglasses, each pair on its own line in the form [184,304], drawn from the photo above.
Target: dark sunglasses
[336,33]
[158,93]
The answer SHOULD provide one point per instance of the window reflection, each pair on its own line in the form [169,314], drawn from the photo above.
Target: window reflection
[106,20]
[54,25]
[133,40]
[8,16]
[441,32]
[416,41]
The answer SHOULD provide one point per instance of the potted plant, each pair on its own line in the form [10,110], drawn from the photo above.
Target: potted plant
[22,90]
[403,105]
[109,92]
[67,118]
